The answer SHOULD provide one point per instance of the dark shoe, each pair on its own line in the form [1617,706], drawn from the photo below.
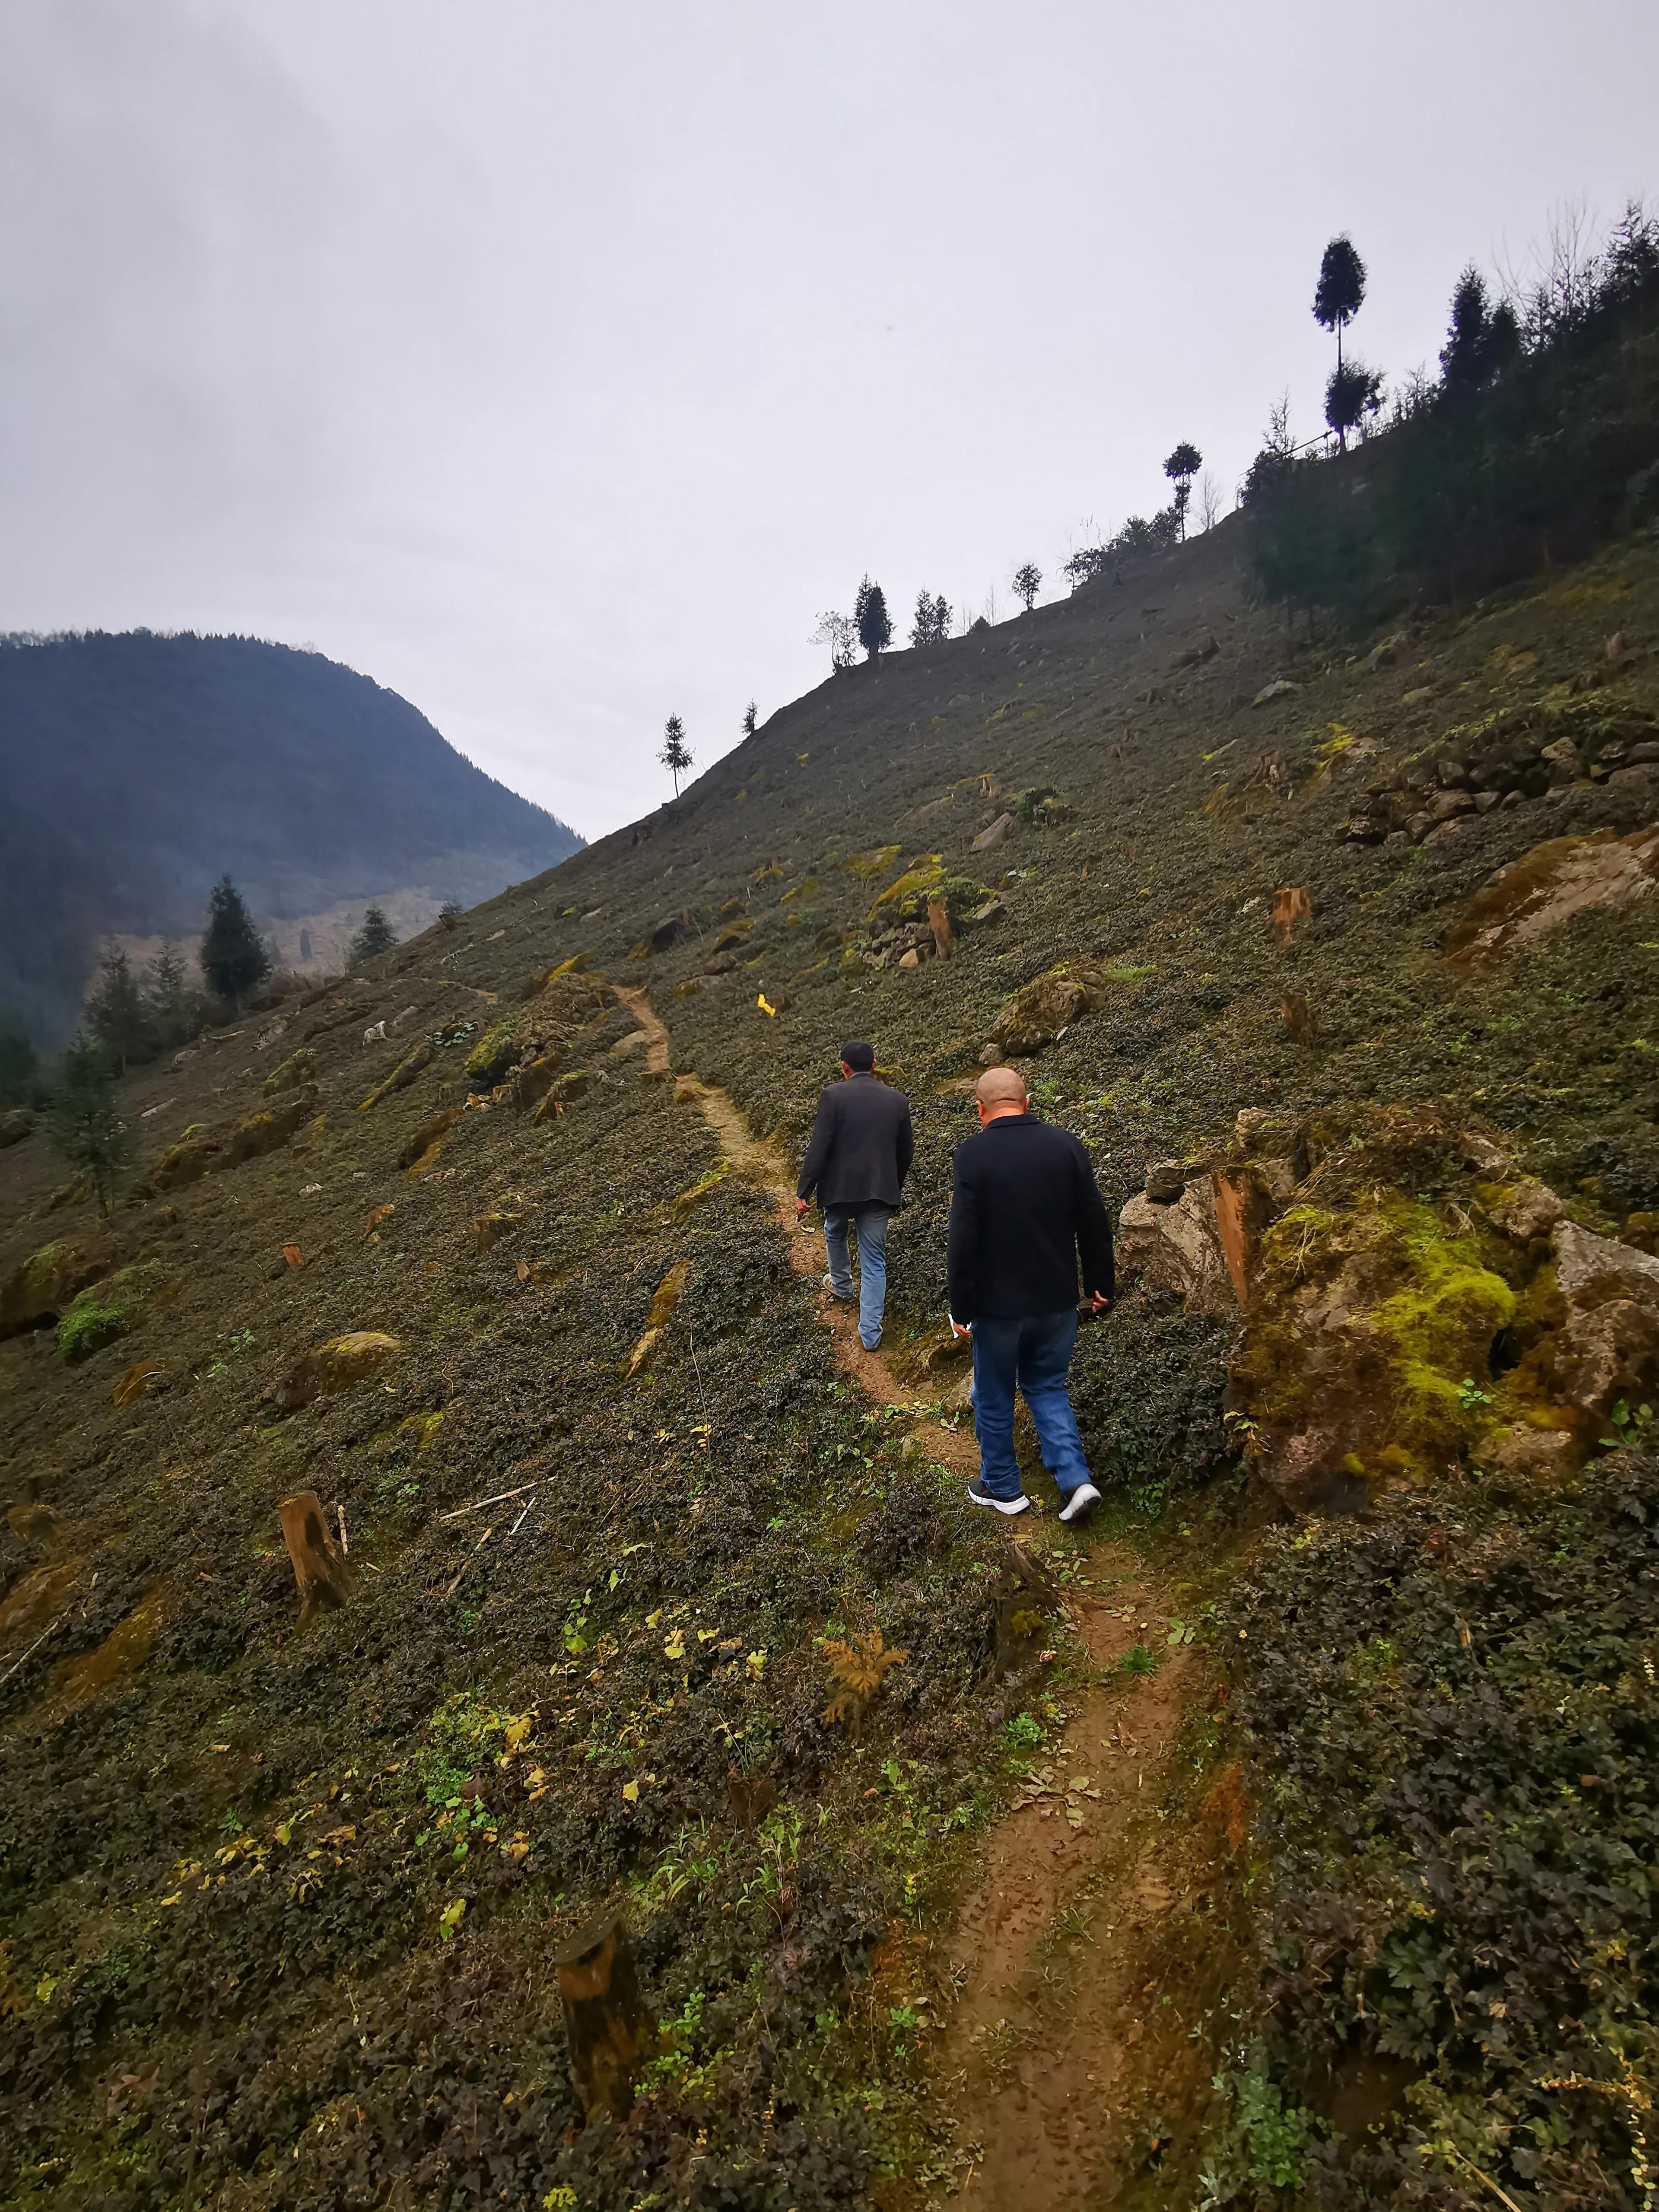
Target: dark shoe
[980,1496]
[1081,1503]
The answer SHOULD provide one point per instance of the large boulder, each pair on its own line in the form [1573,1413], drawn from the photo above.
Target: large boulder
[1548,885]
[38,1288]
[1034,1017]
[1175,1245]
[107,1309]
[209,1148]
[337,1365]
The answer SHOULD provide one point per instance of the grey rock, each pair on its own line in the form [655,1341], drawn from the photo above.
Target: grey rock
[1645,755]
[1485,800]
[1445,804]
[1178,1248]
[1588,1267]
[1165,1181]
[1000,831]
[1529,1209]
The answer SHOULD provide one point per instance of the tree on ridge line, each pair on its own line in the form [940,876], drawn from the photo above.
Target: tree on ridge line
[1027,581]
[1183,465]
[872,620]
[676,754]
[1340,291]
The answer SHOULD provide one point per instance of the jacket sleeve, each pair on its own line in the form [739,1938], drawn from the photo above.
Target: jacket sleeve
[1094,1230]
[962,1246]
[907,1145]
[818,1148]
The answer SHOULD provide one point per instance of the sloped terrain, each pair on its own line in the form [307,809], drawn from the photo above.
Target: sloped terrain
[282,1905]
[140,769]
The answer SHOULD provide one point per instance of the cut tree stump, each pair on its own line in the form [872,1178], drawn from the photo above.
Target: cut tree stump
[605,2020]
[326,1579]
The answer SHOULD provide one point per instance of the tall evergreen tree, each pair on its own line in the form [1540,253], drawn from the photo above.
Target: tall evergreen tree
[1183,465]
[931,622]
[1481,340]
[172,1008]
[676,754]
[20,1069]
[376,936]
[233,960]
[82,1120]
[116,1013]
[1341,288]
[872,620]
[1028,582]
[751,720]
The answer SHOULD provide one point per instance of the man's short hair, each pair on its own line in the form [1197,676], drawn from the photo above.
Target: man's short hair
[998,1085]
[861,1058]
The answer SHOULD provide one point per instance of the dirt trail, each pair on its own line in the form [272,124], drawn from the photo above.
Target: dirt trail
[762,1160]
[1047,2039]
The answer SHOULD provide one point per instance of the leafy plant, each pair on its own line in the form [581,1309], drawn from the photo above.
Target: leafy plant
[858,1667]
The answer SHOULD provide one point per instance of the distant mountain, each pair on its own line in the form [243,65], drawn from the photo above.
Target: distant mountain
[137,769]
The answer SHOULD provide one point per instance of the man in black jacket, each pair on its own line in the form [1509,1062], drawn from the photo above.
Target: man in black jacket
[1024,1205]
[857,1161]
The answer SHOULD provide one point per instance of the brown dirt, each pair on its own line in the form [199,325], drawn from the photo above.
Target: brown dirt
[1053,2065]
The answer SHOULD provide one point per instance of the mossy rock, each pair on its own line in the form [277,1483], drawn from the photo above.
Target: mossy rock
[268,1132]
[36,1291]
[15,1125]
[496,1051]
[734,932]
[906,898]
[424,1146]
[401,1076]
[109,1310]
[1034,1017]
[338,1365]
[299,1068]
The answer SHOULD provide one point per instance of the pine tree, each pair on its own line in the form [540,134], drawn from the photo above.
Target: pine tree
[82,1121]
[1480,340]
[1028,582]
[1353,392]
[1341,289]
[171,1006]
[870,619]
[375,937]
[115,1012]
[932,624]
[751,720]
[676,754]
[19,1067]
[1183,465]
[233,960]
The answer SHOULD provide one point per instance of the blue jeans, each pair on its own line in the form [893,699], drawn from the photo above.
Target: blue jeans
[872,1225]
[1033,1354]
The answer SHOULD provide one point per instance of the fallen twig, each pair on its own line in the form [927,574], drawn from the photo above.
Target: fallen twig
[478,1504]
[36,1646]
[470,1557]
[340,1515]
[519,1523]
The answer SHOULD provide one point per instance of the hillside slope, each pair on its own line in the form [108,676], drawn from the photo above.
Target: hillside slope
[140,769]
[282,1904]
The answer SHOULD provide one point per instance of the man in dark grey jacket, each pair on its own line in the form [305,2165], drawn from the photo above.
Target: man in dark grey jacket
[857,1161]
[1025,1207]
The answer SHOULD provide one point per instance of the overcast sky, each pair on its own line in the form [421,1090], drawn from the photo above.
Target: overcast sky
[556,365]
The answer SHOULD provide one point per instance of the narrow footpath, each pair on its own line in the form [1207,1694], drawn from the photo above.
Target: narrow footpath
[1068,2047]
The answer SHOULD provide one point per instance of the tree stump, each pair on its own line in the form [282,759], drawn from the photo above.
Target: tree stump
[605,2020]
[325,1578]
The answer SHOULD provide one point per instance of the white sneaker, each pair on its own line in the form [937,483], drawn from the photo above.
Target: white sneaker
[1081,1503]
[845,1297]
[980,1496]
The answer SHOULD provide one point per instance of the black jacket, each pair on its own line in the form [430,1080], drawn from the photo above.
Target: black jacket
[860,1153]
[1024,1204]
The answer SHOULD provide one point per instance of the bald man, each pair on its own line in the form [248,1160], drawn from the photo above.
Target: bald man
[1024,1208]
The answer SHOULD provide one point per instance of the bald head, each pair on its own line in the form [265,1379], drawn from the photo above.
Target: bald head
[1000,1090]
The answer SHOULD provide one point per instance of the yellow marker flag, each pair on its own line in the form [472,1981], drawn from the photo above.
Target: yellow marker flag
[761,1002]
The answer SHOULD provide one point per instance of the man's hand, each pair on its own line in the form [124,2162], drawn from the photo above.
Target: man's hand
[959,1329]
[801,1205]
[1101,1302]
